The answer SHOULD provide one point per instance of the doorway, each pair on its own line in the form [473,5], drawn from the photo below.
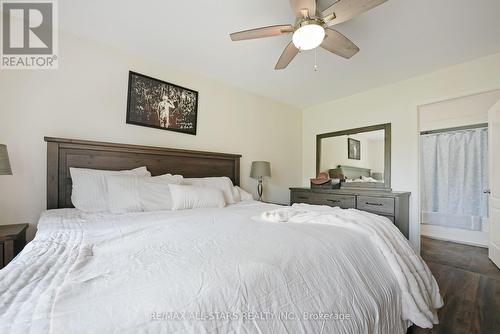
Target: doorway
[454,178]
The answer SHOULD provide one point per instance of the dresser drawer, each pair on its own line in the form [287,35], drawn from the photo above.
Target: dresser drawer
[383,205]
[308,198]
[301,197]
[343,201]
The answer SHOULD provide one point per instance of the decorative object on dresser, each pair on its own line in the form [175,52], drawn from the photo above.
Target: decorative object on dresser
[260,170]
[12,241]
[323,181]
[391,204]
[159,104]
[4,161]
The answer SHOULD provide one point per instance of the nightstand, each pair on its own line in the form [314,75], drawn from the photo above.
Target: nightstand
[12,241]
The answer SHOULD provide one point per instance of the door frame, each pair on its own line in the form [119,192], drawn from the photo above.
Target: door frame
[493,247]
[423,103]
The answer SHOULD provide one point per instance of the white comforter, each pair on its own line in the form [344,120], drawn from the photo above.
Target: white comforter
[217,271]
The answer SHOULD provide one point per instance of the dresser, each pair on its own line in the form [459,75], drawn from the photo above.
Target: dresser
[391,204]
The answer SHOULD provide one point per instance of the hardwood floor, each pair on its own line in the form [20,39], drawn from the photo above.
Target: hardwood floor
[470,285]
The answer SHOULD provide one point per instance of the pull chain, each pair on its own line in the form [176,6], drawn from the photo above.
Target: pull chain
[315,60]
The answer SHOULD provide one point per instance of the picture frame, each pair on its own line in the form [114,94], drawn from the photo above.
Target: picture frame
[353,149]
[162,105]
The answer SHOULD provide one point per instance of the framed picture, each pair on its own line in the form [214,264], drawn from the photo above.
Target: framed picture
[353,149]
[162,105]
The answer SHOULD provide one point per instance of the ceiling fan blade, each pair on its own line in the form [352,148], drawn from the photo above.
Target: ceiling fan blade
[287,56]
[337,43]
[298,7]
[344,10]
[262,32]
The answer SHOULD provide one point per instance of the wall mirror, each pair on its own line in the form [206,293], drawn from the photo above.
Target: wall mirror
[360,157]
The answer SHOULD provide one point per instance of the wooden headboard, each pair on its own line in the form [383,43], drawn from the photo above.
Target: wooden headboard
[65,153]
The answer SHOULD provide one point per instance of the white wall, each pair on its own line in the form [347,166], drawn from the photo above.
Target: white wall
[398,104]
[86,99]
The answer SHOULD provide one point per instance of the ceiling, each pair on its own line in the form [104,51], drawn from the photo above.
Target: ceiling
[398,40]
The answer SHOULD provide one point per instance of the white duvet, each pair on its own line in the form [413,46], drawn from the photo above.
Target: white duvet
[227,270]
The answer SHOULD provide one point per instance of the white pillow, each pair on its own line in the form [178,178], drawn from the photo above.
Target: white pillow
[223,183]
[192,197]
[90,190]
[236,195]
[132,193]
[154,193]
[242,194]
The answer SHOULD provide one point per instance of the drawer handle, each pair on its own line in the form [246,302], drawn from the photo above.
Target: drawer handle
[374,204]
[334,200]
[302,197]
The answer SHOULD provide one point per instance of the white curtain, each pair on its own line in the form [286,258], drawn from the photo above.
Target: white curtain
[454,176]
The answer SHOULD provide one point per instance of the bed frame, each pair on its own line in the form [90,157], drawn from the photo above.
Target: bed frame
[65,153]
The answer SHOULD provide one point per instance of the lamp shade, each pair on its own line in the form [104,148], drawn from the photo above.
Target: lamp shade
[4,161]
[308,37]
[260,169]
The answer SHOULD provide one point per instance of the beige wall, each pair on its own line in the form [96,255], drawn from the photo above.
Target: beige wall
[398,104]
[86,99]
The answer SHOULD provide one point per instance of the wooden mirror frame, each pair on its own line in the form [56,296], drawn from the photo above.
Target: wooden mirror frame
[387,154]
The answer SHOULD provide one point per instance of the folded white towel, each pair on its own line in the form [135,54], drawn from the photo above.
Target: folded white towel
[281,215]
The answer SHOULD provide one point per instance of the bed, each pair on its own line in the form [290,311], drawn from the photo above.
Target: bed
[208,270]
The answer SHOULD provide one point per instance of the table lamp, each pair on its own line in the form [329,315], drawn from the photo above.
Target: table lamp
[260,169]
[4,161]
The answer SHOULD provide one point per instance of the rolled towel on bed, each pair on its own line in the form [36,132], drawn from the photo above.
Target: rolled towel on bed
[280,215]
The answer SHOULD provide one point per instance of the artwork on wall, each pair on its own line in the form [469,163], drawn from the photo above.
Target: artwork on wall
[353,149]
[159,104]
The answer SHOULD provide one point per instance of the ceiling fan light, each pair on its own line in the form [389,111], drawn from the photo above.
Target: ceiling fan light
[308,37]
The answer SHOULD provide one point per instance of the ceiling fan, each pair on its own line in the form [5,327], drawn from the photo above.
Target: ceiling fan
[312,28]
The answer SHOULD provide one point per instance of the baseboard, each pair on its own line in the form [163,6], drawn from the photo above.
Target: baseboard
[472,238]
[468,243]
